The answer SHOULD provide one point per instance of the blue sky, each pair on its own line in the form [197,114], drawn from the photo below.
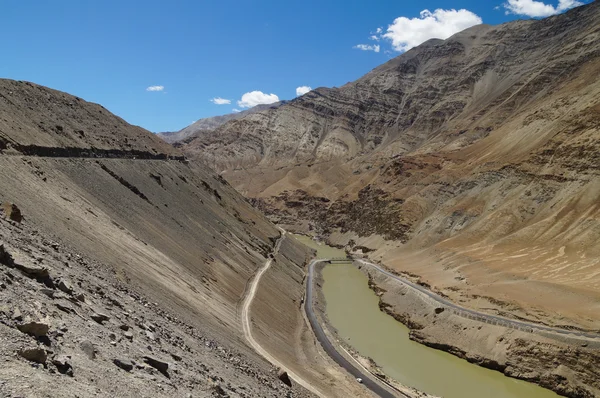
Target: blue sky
[112,51]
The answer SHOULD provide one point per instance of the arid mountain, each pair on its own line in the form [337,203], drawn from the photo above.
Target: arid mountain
[209,124]
[472,163]
[125,266]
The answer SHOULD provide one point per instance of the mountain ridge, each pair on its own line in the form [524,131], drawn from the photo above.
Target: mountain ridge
[457,152]
[209,124]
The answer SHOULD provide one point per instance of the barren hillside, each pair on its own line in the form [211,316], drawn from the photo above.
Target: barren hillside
[124,267]
[472,163]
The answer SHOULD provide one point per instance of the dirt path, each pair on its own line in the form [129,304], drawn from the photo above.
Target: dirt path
[247,324]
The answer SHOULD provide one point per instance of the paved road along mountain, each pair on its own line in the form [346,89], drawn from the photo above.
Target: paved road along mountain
[483,317]
[367,379]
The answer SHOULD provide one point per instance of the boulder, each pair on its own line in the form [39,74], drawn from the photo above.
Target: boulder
[65,286]
[284,377]
[124,364]
[62,365]
[100,318]
[12,212]
[5,257]
[88,348]
[17,315]
[37,329]
[161,366]
[32,270]
[37,355]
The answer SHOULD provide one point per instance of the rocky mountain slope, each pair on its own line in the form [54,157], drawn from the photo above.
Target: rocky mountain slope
[209,124]
[472,163]
[123,267]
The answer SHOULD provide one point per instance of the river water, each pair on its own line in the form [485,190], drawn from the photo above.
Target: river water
[353,309]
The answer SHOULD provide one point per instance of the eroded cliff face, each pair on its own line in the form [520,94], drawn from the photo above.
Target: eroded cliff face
[472,162]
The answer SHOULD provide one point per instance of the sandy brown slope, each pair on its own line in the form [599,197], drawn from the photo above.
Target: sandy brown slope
[471,162]
[143,224]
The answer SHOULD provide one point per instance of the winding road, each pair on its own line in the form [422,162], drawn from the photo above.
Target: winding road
[247,322]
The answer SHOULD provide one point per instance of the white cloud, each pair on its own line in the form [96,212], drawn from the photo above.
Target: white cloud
[220,101]
[405,33]
[236,110]
[155,88]
[302,90]
[254,98]
[367,47]
[538,9]
[374,37]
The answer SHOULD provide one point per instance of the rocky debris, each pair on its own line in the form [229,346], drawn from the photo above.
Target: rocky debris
[284,377]
[62,365]
[12,212]
[37,329]
[100,318]
[439,310]
[161,366]
[82,288]
[88,348]
[124,364]
[37,355]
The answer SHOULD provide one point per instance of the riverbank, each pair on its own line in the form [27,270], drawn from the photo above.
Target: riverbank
[550,361]
[567,368]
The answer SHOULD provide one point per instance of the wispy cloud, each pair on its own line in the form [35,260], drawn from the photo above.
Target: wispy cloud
[235,110]
[220,101]
[254,98]
[155,88]
[368,47]
[302,90]
[538,9]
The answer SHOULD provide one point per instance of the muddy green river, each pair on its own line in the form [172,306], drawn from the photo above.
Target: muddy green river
[353,309]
